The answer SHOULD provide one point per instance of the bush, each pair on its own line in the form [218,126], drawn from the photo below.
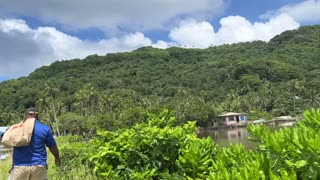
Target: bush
[158,150]
[145,151]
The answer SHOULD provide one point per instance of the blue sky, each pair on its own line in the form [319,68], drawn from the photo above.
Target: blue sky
[40,32]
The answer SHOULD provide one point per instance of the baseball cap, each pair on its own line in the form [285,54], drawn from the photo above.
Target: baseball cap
[31,111]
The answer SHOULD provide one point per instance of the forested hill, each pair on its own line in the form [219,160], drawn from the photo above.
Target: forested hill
[281,77]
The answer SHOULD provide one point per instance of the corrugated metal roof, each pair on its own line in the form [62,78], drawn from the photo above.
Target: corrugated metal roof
[232,114]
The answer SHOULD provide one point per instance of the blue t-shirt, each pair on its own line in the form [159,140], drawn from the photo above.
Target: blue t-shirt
[35,153]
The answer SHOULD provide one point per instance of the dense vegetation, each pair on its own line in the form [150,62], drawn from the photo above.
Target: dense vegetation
[281,77]
[157,150]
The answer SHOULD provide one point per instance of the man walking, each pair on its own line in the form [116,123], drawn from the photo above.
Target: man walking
[30,162]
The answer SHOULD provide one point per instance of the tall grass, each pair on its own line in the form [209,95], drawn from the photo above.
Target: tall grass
[5,166]
[79,172]
[63,172]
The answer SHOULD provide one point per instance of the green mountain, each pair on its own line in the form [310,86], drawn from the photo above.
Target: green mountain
[281,77]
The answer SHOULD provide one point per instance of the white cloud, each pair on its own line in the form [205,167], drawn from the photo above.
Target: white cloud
[306,11]
[112,15]
[193,34]
[24,49]
[14,25]
[233,29]
[125,43]
[238,29]
[161,44]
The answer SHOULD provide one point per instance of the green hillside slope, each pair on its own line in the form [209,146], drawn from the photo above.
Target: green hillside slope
[281,77]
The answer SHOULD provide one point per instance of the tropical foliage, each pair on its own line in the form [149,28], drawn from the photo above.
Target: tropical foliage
[277,78]
[157,150]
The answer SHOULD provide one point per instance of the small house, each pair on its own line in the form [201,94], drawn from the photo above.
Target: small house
[231,118]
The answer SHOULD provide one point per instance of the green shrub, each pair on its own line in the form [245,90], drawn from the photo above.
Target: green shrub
[159,150]
[144,151]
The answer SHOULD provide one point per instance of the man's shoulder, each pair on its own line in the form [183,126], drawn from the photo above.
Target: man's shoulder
[41,125]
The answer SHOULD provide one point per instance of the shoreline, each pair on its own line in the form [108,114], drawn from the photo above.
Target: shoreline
[275,122]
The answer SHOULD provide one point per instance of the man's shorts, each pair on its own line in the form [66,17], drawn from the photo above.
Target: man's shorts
[28,173]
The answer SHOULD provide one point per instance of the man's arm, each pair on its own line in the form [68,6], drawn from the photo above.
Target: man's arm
[55,152]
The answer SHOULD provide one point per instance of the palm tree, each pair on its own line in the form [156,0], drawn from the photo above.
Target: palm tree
[231,95]
[81,101]
[8,117]
[296,88]
[44,108]
[312,99]
[235,104]
[51,91]
[263,101]
[93,98]
[247,102]
[87,99]
[103,102]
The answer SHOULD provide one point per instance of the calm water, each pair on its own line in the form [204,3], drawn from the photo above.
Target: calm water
[225,137]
